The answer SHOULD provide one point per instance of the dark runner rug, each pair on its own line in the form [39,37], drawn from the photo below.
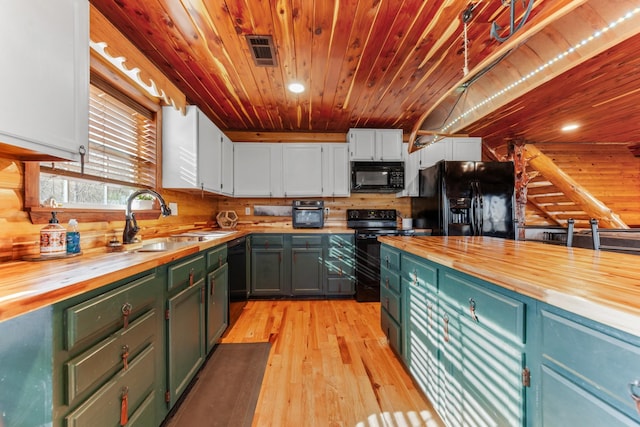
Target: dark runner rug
[226,390]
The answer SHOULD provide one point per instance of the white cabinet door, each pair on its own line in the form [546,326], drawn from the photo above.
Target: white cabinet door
[411,169]
[389,144]
[180,148]
[44,77]
[302,169]
[362,144]
[226,185]
[191,150]
[458,148]
[209,154]
[375,144]
[336,175]
[466,149]
[252,170]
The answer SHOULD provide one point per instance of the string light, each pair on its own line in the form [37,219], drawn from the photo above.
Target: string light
[542,67]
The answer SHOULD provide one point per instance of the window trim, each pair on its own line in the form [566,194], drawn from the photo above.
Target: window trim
[41,215]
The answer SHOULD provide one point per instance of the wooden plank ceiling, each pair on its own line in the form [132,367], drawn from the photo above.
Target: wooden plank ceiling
[392,64]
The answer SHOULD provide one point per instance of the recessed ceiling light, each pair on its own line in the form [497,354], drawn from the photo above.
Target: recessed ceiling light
[296,87]
[567,128]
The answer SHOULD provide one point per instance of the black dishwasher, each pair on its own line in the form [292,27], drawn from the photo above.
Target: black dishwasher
[238,290]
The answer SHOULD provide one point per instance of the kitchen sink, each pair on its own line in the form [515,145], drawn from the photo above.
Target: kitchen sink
[201,235]
[159,247]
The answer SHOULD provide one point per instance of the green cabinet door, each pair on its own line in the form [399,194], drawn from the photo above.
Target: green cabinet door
[185,337]
[267,272]
[306,271]
[217,304]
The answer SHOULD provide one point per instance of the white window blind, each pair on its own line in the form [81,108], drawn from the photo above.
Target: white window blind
[121,146]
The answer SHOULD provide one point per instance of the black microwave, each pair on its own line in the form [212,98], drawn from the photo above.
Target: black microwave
[377,177]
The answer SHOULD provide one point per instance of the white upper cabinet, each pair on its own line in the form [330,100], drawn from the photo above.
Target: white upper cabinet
[226,184]
[411,169]
[458,148]
[302,170]
[191,151]
[336,175]
[257,170]
[375,144]
[44,77]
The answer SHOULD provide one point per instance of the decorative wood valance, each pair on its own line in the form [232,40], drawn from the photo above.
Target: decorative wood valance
[111,46]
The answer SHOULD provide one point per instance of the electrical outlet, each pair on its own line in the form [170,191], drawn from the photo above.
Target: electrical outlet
[247,211]
[326,211]
[174,209]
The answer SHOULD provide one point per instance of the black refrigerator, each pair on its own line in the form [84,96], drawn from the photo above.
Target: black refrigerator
[459,198]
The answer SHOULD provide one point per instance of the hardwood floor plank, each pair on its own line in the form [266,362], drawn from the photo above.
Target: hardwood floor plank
[330,365]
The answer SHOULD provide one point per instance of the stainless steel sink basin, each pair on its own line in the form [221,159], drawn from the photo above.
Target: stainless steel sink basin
[201,235]
[160,247]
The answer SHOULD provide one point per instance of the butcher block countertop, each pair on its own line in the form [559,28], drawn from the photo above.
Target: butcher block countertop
[29,285]
[599,285]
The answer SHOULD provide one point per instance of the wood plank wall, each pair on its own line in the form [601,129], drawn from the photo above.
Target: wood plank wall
[609,171]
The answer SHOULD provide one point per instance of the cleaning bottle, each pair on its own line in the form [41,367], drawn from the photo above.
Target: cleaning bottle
[53,238]
[73,237]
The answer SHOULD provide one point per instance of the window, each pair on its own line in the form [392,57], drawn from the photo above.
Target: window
[121,157]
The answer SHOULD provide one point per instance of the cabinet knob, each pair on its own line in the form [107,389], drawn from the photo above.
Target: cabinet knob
[472,310]
[126,311]
[445,327]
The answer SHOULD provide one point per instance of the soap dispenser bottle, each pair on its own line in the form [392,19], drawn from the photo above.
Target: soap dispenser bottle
[73,237]
[53,238]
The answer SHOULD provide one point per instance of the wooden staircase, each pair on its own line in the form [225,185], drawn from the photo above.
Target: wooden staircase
[554,194]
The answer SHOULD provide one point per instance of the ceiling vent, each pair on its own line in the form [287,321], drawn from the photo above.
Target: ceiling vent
[262,50]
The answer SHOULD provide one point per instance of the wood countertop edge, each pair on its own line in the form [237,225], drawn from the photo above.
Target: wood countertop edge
[61,279]
[573,296]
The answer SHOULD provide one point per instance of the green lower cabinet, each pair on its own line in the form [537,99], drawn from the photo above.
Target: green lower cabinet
[185,338]
[217,304]
[267,272]
[306,271]
[448,401]
[109,361]
[589,372]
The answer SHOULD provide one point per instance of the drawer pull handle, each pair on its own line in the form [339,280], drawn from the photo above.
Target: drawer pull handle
[219,260]
[386,282]
[632,391]
[212,288]
[124,406]
[191,274]
[340,272]
[126,312]
[430,311]
[415,277]
[387,303]
[125,357]
[445,318]
[472,310]
[387,260]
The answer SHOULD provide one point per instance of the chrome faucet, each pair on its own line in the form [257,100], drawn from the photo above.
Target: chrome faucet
[131,225]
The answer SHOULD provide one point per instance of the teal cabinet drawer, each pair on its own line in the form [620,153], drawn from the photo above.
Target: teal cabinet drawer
[267,241]
[340,286]
[185,273]
[341,240]
[339,267]
[420,273]
[496,312]
[107,357]
[103,408]
[389,279]
[340,253]
[389,258]
[390,301]
[306,241]
[216,257]
[110,311]
[392,331]
[603,361]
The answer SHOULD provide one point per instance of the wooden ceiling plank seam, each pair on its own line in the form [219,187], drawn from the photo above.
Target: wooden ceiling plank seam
[373,11]
[377,63]
[206,28]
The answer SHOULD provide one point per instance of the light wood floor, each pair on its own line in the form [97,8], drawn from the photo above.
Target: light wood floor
[330,365]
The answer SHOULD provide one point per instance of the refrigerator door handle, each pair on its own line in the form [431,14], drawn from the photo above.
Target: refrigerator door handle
[480,209]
